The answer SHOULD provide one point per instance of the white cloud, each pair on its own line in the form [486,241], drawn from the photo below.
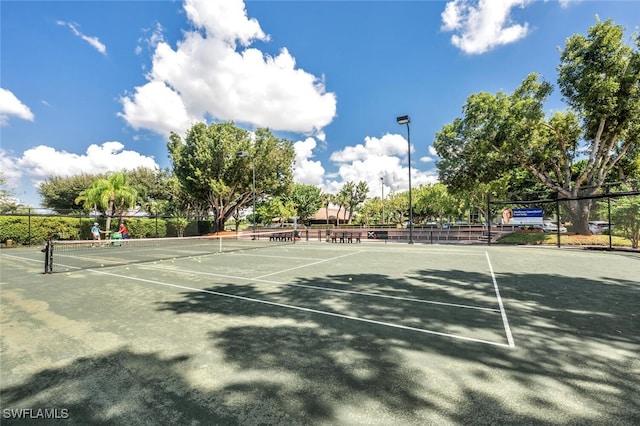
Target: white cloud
[93,41]
[482,25]
[157,107]
[307,171]
[377,158]
[566,3]
[388,145]
[10,105]
[225,20]
[43,161]
[36,164]
[208,76]
[155,37]
[9,168]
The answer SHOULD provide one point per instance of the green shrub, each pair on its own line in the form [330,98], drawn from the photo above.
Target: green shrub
[146,227]
[34,230]
[38,229]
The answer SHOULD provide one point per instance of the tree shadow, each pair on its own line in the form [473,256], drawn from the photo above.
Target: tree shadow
[122,387]
[564,326]
[298,355]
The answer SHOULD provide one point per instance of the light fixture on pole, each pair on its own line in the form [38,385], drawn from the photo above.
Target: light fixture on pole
[253,187]
[404,119]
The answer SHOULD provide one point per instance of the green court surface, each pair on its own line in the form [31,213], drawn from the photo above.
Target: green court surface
[322,333]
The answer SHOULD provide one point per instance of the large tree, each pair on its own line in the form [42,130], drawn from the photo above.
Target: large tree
[434,201]
[209,169]
[152,187]
[59,193]
[307,200]
[599,78]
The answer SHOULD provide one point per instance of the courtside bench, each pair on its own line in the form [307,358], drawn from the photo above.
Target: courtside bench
[345,237]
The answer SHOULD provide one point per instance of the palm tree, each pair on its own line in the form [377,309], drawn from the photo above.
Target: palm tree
[341,199]
[327,199]
[112,194]
[358,196]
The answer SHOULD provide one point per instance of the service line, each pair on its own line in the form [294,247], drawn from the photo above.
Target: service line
[300,308]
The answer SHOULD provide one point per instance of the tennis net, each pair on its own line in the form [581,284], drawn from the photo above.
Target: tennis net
[64,256]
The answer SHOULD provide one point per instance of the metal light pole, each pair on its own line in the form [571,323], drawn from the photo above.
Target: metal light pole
[253,187]
[382,197]
[404,119]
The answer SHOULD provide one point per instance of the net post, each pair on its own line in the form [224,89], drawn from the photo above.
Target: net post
[48,263]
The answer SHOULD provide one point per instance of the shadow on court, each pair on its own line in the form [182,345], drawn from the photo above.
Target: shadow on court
[575,360]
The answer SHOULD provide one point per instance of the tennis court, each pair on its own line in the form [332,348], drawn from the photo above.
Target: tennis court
[322,333]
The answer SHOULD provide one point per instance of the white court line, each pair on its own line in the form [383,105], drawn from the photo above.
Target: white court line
[26,259]
[379,247]
[505,321]
[271,256]
[299,308]
[308,264]
[329,289]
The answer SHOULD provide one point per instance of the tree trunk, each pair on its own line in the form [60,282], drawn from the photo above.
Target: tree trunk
[110,212]
[579,215]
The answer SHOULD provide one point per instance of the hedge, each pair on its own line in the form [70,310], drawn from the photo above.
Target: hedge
[34,230]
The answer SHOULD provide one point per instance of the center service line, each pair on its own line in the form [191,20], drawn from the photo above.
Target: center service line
[307,265]
[505,321]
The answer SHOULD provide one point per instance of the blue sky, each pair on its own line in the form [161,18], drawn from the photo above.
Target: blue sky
[96,86]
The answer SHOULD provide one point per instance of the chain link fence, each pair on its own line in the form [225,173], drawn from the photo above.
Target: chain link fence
[35,226]
[606,219]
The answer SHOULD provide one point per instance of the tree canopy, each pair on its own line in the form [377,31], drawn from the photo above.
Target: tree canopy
[599,77]
[307,200]
[60,192]
[153,188]
[209,169]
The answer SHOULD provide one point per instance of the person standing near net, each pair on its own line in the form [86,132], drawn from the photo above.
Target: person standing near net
[95,231]
[123,231]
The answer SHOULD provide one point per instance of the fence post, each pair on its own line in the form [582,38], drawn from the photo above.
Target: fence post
[29,232]
[489,219]
[609,218]
[558,218]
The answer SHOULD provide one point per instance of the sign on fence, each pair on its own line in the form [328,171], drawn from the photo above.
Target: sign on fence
[377,235]
[528,216]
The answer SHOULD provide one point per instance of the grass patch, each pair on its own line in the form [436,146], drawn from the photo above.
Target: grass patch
[565,240]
